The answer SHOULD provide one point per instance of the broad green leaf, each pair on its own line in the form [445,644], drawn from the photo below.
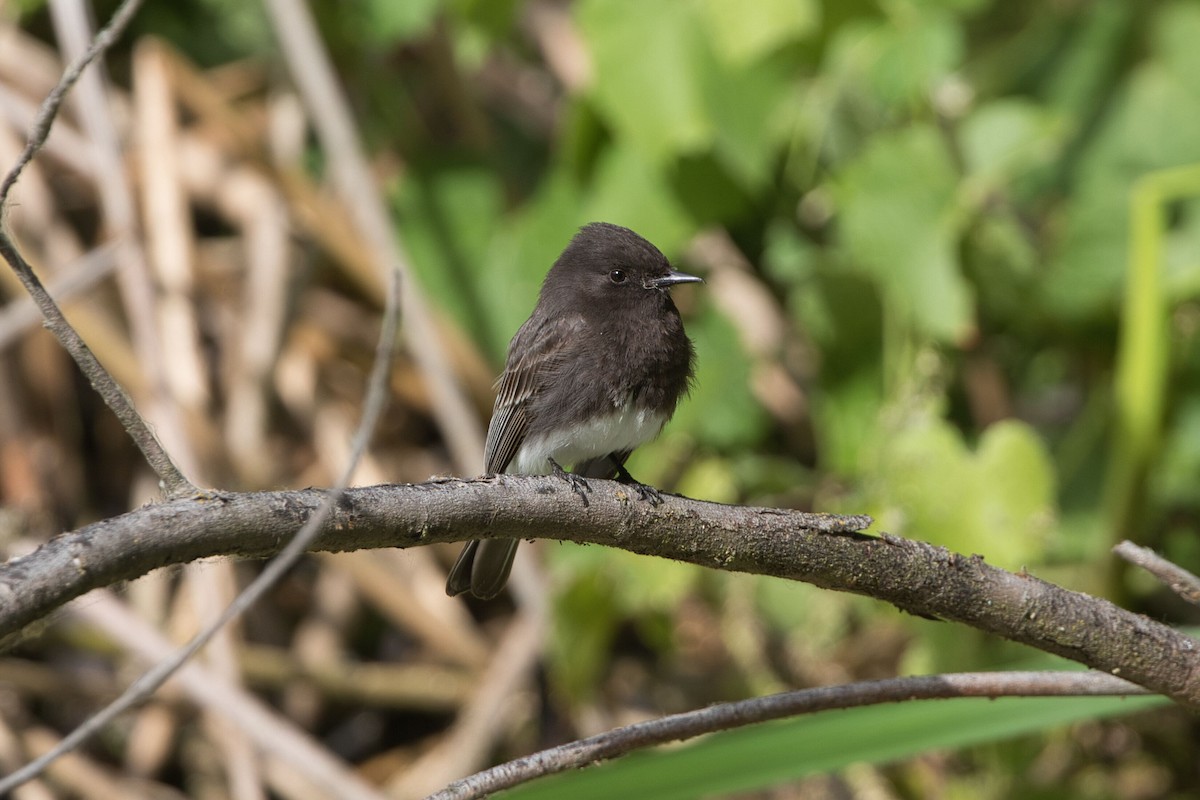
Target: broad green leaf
[1004,138]
[1176,30]
[388,21]
[1017,494]
[1155,123]
[599,589]
[846,421]
[584,621]
[525,248]
[751,111]
[898,223]
[709,479]
[627,189]
[1084,277]
[924,482]
[816,615]
[1002,241]
[644,57]
[448,218]
[998,500]
[913,54]
[898,61]
[720,411]
[741,35]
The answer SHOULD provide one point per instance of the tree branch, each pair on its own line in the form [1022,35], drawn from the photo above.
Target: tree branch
[728,716]
[1173,576]
[825,550]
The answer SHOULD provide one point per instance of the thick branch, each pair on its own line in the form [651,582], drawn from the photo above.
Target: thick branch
[820,549]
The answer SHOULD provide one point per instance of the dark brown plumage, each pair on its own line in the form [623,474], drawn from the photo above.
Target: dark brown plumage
[595,371]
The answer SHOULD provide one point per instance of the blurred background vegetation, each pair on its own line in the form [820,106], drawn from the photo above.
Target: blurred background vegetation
[953,262]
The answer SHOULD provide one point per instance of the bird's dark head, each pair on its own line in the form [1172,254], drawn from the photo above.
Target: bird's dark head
[604,262]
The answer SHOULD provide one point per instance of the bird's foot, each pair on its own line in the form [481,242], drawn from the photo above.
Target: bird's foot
[645,492]
[578,483]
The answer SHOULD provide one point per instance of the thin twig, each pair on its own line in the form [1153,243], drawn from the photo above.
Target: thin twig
[77,277]
[148,683]
[74,30]
[271,733]
[49,110]
[1175,577]
[727,716]
[173,481]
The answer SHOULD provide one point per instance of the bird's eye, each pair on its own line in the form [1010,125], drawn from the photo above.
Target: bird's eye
[618,276]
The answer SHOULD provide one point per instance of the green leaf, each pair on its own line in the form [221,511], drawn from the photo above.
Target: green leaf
[846,420]
[928,484]
[1008,137]
[583,624]
[627,189]
[448,218]
[751,110]
[898,223]
[388,21]
[644,55]
[709,479]
[524,249]
[769,754]
[740,36]
[1154,123]
[668,91]
[720,412]
[600,589]
[1176,30]
[899,61]
[1017,483]
[913,55]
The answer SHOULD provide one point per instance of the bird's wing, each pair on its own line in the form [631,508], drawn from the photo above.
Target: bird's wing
[539,347]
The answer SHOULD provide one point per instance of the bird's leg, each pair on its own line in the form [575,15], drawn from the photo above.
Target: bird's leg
[647,493]
[578,483]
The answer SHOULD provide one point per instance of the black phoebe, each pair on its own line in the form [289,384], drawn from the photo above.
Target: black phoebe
[595,371]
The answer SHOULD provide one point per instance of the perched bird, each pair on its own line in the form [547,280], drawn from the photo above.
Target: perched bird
[595,371]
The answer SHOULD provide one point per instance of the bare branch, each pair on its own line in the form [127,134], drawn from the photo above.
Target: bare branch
[270,732]
[727,716]
[824,550]
[297,545]
[174,482]
[41,127]
[1175,577]
[20,315]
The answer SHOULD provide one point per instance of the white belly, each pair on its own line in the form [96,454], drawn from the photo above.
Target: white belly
[616,432]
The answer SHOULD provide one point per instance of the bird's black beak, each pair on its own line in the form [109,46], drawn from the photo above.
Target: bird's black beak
[671,278]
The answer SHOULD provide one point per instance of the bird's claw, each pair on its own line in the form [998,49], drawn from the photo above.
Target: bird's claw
[645,492]
[578,483]
[648,494]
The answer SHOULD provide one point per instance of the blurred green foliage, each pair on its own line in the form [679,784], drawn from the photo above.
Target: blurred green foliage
[936,195]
